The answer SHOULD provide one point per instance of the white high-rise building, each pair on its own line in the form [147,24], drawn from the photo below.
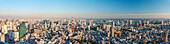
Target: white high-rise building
[162,22]
[112,31]
[98,28]
[2,37]
[4,29]
[10,25]
[52,24]
[127,22]
[147,22]
[90,23]
[88,27]
[113,24]
[108,34]
[108,27]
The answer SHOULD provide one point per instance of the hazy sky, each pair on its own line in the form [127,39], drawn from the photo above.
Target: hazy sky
[86,8]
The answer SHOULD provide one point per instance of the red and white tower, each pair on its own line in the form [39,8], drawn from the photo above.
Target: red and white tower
[72,25]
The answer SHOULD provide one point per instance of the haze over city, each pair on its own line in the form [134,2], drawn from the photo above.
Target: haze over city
[84,8]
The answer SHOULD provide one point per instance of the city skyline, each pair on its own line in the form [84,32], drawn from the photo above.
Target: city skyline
[84,21]
[85,8]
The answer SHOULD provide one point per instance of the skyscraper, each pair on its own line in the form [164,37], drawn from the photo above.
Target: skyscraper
[130,22]
[88,27]
[140,23]
[103,26]
[2,37]
[108,30]
[10,34]
[52,24]
[30,27]
[113,24]
[112,31]
[162,22]
[108,27]
[10,25]
[143,23]
[90,23]
[4,29]
[147,22]
[136,23]
[127,22]
[98,28]
[22,29]
[165,36]
[45,25]
[15,35]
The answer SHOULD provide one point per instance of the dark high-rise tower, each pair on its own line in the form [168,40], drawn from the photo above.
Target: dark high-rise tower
[22,29]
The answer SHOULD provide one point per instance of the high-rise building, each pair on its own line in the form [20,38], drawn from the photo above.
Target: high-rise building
[90,23]
[30,27]
[118,22]
[147,22]
[113,24]
[140,23]
[88,27]
[103,26]
[143,23]
[127,22]
[136,23]
[108,34]
[6,38]
[162,22]
[10,34]
[130,23]
[108,30]
[45,25]
[165,36]
[26,25]
[108,27]
[4,29]
[22,29]
[52,24]
[2,37]
[16,35]
[10,25]
[98,28]
[112,31]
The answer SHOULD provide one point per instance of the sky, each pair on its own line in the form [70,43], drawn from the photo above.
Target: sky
[85,8]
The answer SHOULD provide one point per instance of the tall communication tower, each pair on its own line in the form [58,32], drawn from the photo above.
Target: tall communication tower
[72,25]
